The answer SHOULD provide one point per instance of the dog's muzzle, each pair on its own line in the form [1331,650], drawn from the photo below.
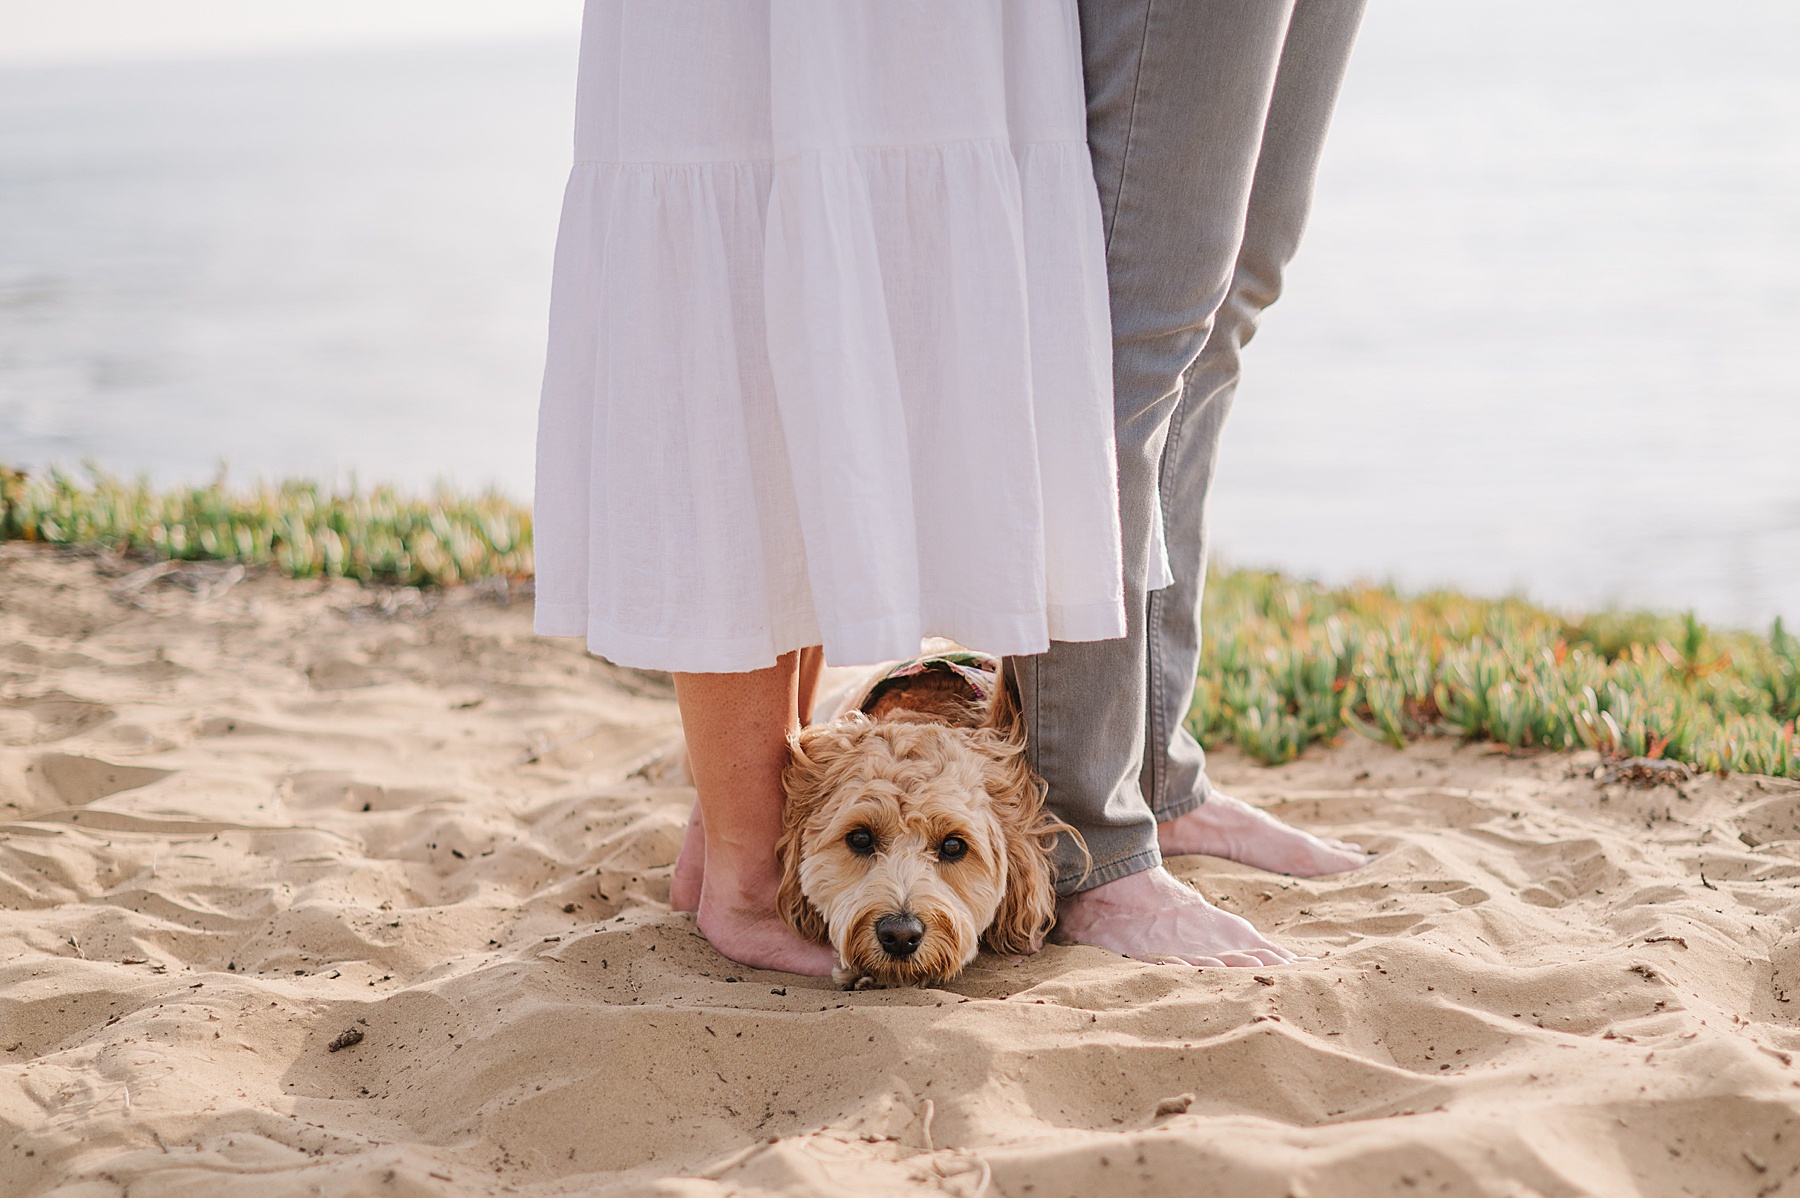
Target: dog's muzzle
[899,934]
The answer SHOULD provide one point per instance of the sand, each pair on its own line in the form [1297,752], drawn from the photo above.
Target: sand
[243,817]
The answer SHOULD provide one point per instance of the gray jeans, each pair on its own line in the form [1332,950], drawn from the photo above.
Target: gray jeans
[1205,120]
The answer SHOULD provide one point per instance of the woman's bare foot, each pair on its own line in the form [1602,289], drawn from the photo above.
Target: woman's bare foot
[736,727]
[690,865]
[1154,917]
[1231,828]
[744,926]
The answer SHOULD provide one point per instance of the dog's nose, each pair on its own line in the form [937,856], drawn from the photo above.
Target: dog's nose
[899,934]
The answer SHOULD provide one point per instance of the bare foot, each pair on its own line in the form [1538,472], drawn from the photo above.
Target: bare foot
[690,865]
[741,926]
[1231,828]
[1154,917]
[748,930]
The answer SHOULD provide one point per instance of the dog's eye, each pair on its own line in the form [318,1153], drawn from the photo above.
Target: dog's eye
[952,848]
[861,841]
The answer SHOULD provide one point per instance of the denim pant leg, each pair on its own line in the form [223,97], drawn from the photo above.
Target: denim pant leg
[1178,91]
[1313,59]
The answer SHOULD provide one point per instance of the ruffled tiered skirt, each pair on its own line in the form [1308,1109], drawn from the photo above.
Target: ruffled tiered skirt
[830,359]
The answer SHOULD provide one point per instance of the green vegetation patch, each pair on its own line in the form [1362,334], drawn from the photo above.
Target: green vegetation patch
[1287,663]
[1284,664]
[300,528]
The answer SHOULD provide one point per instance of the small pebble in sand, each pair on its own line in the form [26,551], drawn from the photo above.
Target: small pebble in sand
[347,1038]
[1177,1105]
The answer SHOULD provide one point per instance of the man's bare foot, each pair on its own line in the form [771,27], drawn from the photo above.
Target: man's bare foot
[747,929]
[690,865]
[1154,917]
[1231,828]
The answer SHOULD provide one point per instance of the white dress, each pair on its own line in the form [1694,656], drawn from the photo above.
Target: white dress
[830,358]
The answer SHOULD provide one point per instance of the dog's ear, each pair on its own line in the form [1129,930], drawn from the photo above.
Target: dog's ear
[807,783]
[1004,715]
[1028,905]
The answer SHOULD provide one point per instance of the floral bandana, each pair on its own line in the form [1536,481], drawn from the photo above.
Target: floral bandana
[976,670]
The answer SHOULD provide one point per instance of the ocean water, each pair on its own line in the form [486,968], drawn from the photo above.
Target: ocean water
[1543,336]
[320,264]
[1544,333]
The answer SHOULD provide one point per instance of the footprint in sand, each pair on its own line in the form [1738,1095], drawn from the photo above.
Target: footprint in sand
[78,781]
[1770,821]
[49,717]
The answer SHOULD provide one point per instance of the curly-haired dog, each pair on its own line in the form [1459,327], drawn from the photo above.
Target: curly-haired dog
[914,831]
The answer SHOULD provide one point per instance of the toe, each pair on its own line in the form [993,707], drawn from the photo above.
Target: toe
[1159,958]
[1331,857]
[1242,960]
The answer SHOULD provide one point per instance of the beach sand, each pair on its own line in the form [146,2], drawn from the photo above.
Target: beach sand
[238,825]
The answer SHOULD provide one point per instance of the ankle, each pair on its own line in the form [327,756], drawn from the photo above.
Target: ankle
[1127,889]
[724,891]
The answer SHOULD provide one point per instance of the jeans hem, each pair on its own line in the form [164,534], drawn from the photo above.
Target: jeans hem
[1112,871]
[1165,812]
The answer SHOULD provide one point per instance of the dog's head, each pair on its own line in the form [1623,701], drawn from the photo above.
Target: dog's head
[909,841]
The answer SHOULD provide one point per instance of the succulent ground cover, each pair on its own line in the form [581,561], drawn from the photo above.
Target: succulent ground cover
[1286,663]
[299,527]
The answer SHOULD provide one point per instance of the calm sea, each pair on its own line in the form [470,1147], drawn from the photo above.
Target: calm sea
[1544,334]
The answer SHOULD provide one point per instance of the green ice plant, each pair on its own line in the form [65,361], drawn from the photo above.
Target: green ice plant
[300,528]
[1284,664]
[1288,663]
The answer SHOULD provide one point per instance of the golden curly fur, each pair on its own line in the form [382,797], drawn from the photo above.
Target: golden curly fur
[876,809]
